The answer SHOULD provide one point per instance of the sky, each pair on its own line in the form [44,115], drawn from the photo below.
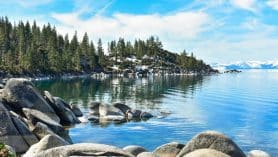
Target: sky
[217,31]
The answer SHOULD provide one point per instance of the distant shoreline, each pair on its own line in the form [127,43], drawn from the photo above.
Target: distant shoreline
[101,75]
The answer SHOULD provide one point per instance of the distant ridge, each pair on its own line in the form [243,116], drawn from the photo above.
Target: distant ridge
[247,65]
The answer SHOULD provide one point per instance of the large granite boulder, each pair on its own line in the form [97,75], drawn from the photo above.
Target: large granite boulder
[49,141]
[206,153]
[212,140]
[37,116]
[258,153]
[24,131]
[147,154]
[168,150]
[41,130]
[134,150]
[85,149]
[9,133]
[20,93]
[64,112]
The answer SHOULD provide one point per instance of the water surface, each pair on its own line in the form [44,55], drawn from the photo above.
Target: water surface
[243,106]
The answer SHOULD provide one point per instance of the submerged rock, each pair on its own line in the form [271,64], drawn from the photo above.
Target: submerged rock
[212,140]
[258,153]
[168,150]
[134,150]
[206,153]
[85,149]
[146,115]
[49,141]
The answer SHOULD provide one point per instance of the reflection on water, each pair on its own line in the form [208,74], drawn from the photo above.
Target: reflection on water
[139,93]
[243,106]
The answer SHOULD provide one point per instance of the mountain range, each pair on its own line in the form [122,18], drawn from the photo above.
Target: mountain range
[246,65]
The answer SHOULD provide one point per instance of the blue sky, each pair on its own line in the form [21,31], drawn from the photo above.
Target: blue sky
[221,31]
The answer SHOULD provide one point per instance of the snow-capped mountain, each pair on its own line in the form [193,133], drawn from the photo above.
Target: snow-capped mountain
[247,65]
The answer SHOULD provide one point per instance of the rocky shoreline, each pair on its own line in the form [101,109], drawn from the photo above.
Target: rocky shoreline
[34,124]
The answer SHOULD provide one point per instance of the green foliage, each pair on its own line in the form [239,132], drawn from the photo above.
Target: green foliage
[4,152]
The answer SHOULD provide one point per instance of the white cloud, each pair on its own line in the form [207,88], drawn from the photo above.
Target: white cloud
[175,27]
[273,4]
[249,5]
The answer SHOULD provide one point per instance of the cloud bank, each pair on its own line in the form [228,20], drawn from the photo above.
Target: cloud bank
[178,26]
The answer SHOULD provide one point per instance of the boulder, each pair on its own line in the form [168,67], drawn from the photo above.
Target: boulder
[136,114]
[49,97]
[65,114]
[61,102]
[36,116]
[94,107]
[24,131]
[146,154]
[168,150]
[41,130]
[108,110]
[20,93]
[146,115]
[206,153]
[49,141]
[9,133]
[124,108]
[2,86]
[212,140]
[134,150]
[85,149]
[258,153]
[76,110]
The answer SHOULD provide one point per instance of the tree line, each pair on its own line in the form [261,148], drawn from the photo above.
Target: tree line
[27,48]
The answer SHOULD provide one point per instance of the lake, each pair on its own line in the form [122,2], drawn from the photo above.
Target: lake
[244,106]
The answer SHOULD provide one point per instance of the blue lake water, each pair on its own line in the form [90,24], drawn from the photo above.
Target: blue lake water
[244,106]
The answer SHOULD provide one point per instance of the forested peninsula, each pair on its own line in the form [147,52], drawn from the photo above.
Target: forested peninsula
[26,49]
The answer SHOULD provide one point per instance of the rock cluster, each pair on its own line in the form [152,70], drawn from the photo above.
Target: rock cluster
[27,116]
[117,112]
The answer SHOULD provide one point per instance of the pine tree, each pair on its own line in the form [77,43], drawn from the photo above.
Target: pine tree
[100,53]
